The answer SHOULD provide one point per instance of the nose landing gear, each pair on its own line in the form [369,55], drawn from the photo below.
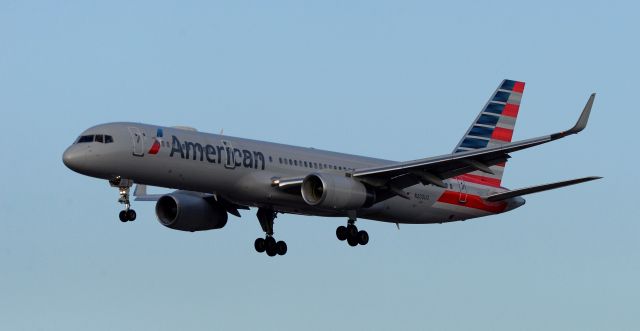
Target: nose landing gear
[268,244]
[124,185]
[351,234]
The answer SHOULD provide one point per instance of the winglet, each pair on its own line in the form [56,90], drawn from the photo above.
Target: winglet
[582,121]
[584,117]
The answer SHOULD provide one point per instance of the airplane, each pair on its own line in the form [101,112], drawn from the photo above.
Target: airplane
[215,175]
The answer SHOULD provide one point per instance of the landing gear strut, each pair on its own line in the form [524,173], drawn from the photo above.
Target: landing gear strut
[123,186]
[351,234]
[268,244]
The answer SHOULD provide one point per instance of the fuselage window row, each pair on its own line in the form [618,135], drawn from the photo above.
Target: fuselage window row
[309,164]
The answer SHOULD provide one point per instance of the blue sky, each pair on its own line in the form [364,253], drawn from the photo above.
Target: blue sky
[399,80]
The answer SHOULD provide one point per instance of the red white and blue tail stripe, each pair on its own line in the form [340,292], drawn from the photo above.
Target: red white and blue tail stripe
[493,127]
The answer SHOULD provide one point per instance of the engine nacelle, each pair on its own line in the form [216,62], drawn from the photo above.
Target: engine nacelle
[189,212]
[332,191]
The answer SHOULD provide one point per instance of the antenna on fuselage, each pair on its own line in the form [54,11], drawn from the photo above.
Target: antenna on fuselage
[222,131]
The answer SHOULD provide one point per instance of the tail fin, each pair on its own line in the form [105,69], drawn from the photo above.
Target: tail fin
[493,127]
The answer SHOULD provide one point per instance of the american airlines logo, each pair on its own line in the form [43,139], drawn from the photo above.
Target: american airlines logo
[221,154]
[157,142]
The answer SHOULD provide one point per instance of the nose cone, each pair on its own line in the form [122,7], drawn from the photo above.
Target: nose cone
[73,158]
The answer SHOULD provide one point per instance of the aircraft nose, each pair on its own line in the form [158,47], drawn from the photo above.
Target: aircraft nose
[73,158]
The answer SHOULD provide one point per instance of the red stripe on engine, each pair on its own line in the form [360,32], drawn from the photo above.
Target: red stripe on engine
[502,134]
[472,201]
[518,87]
[510,110]
[482,180]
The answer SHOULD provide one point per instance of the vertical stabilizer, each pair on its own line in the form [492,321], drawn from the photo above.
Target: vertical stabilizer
[493,127]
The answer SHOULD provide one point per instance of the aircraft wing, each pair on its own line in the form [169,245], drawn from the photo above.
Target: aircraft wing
[393,178]
[433,170]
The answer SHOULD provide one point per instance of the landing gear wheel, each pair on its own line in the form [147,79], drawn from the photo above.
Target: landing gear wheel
[363,237]
[123,186]
[351,233]
[341,233]
[353,241]
[270,242]
[260,245]
[281,247]
[271,251]
[131,215]
[266,216]
[352,230]
[123,216]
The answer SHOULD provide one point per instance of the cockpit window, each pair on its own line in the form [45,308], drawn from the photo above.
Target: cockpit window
[99,138]
[86,139]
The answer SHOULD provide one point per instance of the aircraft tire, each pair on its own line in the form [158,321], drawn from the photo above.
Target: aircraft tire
[363,237]
[281,247]
[341,233]
[260,245]
[353,241]
[270,243]
[352,230]
[123,216]
[271,251]
[131,215]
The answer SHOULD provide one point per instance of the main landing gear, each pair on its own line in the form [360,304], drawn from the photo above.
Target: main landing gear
[123,185]
[268,244]
[351,234]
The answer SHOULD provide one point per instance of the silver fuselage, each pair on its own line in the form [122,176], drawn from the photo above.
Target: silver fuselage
[243,171]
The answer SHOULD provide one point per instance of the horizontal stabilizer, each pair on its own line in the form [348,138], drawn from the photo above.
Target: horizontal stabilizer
[539,188]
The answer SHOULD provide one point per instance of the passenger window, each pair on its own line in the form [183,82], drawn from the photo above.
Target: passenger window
[270,159]
[315,165]
[100,138]
[290,162]
[108,139]
[335,167]
[305,164]
[295,162]
[280,160]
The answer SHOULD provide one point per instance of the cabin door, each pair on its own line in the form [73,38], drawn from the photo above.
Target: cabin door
[137,137]
[462,188]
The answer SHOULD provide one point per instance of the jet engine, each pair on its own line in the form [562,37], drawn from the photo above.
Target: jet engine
[332,191]
[190,212]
